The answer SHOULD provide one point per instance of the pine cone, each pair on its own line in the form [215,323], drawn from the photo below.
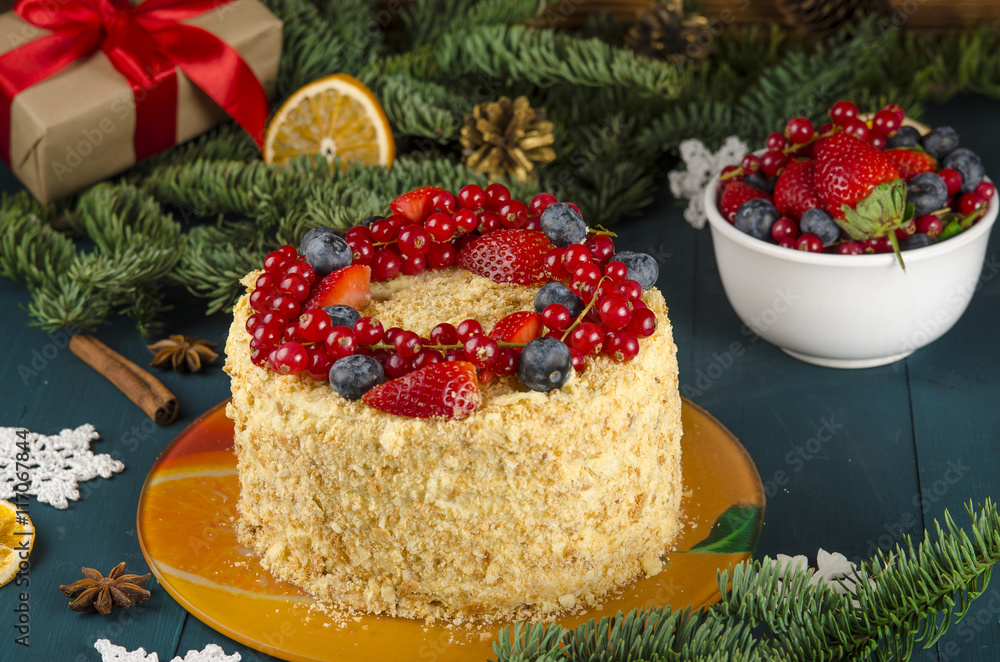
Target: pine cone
[821,18]
[505,137]
[663,32]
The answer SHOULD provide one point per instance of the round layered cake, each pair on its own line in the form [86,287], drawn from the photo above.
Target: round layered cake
[536,503]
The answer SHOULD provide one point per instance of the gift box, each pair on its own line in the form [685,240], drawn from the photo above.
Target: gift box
[90,87]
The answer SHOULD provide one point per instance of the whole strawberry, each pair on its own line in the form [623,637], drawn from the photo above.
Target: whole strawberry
[847,171]
[734,195]
[794,194]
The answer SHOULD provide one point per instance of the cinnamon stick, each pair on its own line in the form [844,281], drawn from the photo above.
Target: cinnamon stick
[142,388]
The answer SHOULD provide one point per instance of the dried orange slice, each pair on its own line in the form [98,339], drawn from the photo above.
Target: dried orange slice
[336,116]
[17,537]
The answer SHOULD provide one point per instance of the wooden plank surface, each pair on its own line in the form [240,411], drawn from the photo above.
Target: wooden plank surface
[843,454]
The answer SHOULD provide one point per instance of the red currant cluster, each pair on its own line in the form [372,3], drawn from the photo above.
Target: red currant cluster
[412,240]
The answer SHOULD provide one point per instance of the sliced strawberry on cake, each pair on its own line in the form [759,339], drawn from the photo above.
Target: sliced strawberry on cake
[416,205]
[445,389]
[521,328]
[793,193]
[350,286]
[508,256]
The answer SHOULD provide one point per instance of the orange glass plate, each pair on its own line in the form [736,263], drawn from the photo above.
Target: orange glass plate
[185,523]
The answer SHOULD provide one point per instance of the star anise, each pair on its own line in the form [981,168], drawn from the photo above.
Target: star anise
[182,353]
[98,593]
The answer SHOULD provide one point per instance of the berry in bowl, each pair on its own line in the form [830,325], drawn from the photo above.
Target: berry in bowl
[853,244]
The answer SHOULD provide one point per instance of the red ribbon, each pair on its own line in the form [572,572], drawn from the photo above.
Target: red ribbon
[147,45]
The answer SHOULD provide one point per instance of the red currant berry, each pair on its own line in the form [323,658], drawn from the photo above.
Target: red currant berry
[614,310]
[302,269]
[290,358]
[383,231]
[616,271]
[341,341]
[622,347]
[586,338]
[726,176]
[267,335]
[489,222]
[534,223]
[412,266]
[750,164]
[472,197]
[314,325]
[896,110]
[554,264]
[468,329]
[386,265]
[601,247]
[857,129]
[540,203]
[407,343]
[606,287]
[799,130]
[809,243]
[440,226]
[585,289]
[396,366]
[358,232]
[986,189]
[444,334]
[643,323]
[286,305]
[368,331]
[259,357]
[587,272]
[465,220]
[362,251]
[787,242]
[277,261]
[513,214]
[506,361]
[267,280]
[296,286]
[443,201]
[496,195]
[930,225]
[784,227]
[455,355]
[320,363]
[885,123]
[288,251]
[842,112]
[556,317]
[575,255]
[772,163]
[261,298]
[776,142]
[905,230]
[390,335]
[952,179]
[631,289]
[414,241]
[850,248]
[972,203]
[441,256]
[825,128]
[425,357]
[253,321]
[481,351]
[877,141]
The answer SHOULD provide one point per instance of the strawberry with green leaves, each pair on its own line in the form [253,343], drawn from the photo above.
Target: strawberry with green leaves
[847,171]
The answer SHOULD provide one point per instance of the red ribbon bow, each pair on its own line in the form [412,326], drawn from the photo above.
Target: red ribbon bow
[147,45]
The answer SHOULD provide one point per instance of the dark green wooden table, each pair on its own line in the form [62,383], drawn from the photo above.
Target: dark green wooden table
[906,441]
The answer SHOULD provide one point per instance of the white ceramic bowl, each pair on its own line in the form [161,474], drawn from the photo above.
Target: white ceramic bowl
[848,311]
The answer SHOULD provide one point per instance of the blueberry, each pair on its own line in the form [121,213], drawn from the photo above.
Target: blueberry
[558,293]
[761,182]
[941,141]
[312,234]
[563,225]
[927,192]
[355,375]
[371,219]
[820,223]
[342,315]
[918,240]
[755,217]
[642,268]
[906,136]
[327,252]
[969,165]
[545,364]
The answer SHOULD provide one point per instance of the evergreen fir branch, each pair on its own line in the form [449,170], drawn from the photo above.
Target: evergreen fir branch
[30,249]
[419,108]
[710,121]
[212,268]
[427,20]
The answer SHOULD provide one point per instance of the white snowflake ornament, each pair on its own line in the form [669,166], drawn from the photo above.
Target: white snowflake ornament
[833,569]
[211,653]
[55,465]
[702,168]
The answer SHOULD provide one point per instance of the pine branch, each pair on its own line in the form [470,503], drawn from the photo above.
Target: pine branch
[427,20]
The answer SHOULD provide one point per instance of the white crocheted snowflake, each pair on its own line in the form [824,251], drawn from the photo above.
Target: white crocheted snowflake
[831,568]
[702,167]
[55,465]
[111,653]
